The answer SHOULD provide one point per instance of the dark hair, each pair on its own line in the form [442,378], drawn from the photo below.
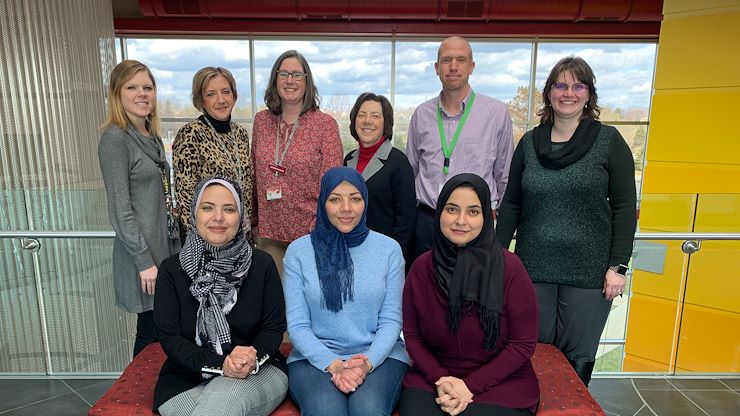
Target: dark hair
[311,98]
[583,73]
[203,77]
[386,107]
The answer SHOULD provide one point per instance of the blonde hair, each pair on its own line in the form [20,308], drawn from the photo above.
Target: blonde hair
[121,74]
[205,75]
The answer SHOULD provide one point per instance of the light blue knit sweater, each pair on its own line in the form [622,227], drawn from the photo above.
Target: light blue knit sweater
[370,324]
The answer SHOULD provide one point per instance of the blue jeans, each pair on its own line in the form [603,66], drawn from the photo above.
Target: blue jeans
[315,394]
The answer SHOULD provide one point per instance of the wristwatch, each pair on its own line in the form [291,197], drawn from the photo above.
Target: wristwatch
[619,269]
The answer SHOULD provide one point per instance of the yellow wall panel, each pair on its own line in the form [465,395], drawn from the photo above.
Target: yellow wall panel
[710,340]
[675,177]
[714,270]
[690,42]
[693,125]
[718,214]
[666,285]
[678,6]
[650,328]
[693,148]
[666,212]
[714,276]
[640,365]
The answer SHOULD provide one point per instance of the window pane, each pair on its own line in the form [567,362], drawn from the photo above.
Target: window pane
[119,53]
[624,74]
[175,61]
[635,136]
[341,69]
[502,71]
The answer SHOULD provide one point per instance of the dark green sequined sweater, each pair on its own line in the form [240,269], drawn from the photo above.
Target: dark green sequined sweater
[573,223]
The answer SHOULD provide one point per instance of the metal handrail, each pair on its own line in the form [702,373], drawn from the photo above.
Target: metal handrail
[111,234]
[57,234]
[687,236]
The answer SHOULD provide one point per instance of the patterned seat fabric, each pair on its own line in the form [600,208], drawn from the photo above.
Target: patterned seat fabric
[561,391]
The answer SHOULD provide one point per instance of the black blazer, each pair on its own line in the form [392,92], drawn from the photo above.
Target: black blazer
[390,185]
[257,319]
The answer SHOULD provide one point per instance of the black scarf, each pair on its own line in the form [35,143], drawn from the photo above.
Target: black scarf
[471,276]
[571,151]
[219,125]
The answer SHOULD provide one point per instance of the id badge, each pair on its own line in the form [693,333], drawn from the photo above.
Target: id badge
[274,193]
[277,169]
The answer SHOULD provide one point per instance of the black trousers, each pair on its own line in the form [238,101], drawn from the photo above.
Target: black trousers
[423,230]
[146,332]
[572,319]
[418,402]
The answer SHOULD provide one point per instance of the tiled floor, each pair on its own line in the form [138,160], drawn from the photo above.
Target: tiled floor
[667,397]
[618,397]
[73,397]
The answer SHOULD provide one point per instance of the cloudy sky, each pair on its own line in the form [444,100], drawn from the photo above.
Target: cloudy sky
[347,68]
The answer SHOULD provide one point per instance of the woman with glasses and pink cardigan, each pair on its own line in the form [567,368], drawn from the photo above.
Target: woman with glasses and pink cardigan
[293,144]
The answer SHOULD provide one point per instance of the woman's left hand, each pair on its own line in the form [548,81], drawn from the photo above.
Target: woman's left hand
[460,391]
[613,284]
[351,374]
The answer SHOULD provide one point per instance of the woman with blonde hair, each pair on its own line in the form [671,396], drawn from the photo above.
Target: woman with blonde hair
[137,183]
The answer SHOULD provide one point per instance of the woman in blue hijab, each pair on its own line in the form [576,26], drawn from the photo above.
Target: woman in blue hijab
[343,285]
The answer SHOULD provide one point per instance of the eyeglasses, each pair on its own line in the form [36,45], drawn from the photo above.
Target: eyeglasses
[578,87]
[297,76]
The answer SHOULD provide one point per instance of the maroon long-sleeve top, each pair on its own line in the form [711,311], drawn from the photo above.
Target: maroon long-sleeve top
[504,377]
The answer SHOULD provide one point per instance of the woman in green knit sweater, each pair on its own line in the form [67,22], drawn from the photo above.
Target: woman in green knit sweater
[571,200]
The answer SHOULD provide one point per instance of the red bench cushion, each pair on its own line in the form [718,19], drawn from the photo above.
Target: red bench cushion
[561,391]
[133,392]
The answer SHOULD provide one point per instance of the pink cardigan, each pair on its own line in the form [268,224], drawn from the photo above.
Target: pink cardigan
[316,148]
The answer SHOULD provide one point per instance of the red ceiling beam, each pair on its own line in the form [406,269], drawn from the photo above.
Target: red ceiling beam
[374,28]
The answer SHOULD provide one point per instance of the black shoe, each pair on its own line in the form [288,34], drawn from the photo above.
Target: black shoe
[583,369]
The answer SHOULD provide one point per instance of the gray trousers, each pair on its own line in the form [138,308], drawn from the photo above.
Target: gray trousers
[572,319]
[258,394]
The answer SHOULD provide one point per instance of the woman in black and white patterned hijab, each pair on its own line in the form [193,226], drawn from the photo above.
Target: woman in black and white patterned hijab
[220,315]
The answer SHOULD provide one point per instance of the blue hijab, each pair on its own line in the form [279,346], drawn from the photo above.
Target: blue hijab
[331,246]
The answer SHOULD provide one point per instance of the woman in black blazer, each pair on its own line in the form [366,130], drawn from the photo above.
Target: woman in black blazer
[387,173]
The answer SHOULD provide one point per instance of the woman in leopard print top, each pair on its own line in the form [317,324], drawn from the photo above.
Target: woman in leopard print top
[212,144]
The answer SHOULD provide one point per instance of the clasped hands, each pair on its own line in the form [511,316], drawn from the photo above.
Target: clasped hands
[453,396]
[240,362]
[349,374]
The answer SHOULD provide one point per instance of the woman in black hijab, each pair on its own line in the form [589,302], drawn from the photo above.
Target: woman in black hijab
[469,316]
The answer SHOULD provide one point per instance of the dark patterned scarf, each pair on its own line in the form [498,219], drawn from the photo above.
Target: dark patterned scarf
[216,272]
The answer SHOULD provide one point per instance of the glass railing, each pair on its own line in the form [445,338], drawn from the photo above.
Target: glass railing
[58,313]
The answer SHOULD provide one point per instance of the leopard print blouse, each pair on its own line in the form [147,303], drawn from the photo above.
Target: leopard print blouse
[199,151]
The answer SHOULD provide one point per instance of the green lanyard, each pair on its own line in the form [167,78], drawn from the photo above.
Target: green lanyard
[447,150]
